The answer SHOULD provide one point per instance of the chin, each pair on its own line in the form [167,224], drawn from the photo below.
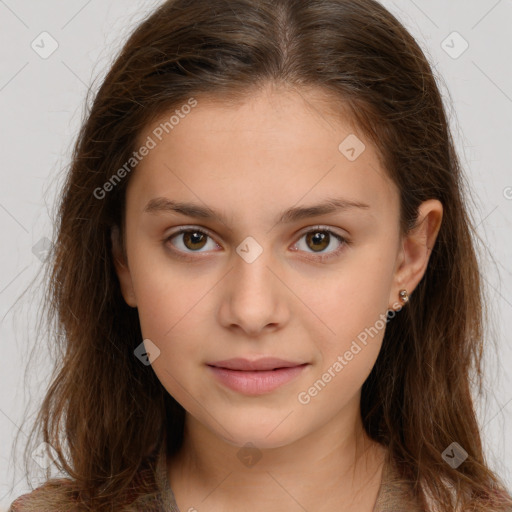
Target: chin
[259,441]
[263,434]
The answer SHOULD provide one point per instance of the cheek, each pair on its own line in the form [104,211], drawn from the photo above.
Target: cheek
[172,306]
[351,299]
[164,294]
[347,351]
[169,312]
[352,308]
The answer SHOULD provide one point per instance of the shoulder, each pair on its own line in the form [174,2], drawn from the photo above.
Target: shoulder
[49,497]
[61,495]
[25,502]
[397,495]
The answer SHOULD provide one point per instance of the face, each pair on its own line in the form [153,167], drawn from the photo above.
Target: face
[289,248]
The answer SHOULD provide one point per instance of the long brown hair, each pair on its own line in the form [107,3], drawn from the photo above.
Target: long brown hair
[104,411]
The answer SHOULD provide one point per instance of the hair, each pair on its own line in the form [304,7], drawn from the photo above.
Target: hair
[104,412]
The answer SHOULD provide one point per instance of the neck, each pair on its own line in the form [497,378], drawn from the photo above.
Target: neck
[324,470]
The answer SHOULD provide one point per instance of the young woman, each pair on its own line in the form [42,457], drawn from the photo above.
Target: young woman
[264,280]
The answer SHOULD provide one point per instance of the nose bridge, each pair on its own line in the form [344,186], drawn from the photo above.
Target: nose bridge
[254,296]
[251,273]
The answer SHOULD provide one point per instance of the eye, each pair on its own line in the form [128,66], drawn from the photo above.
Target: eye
[190,240]
[320,239]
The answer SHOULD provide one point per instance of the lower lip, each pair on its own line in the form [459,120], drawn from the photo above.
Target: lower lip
[256,382]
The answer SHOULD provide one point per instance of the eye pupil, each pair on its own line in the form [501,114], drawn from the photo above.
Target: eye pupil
[319,239]
[194,238]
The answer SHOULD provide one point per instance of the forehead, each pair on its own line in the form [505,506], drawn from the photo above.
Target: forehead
[274,147]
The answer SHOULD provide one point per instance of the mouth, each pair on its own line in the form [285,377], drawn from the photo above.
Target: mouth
[263,364]
[255,377]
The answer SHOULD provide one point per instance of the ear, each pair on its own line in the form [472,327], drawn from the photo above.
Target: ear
[122,269]
[416,248]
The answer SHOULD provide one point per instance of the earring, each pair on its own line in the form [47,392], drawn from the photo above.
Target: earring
[404,296]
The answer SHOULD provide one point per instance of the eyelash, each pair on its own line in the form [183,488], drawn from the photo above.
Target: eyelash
[321,257]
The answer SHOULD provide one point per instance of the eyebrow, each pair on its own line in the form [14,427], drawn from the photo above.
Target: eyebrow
[293,214]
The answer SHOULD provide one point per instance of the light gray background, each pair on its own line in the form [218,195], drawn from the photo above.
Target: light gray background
[41,102]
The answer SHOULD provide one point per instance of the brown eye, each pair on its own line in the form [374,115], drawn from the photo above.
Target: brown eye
[318,240]
[194,240]
[323,244]
[191,240]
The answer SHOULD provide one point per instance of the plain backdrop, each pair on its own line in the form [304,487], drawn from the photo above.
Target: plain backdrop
[469,45]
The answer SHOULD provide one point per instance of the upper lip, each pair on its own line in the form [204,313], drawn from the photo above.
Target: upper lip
[265,363]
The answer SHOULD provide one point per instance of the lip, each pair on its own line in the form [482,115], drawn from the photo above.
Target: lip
[264,363]
[255,377]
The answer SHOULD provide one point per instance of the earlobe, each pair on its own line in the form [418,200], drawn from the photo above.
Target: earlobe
[417,246]
[122,269]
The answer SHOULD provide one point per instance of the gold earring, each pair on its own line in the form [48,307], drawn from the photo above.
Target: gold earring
[404,296]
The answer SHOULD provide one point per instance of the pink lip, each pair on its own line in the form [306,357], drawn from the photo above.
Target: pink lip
[264,363]
[255,377]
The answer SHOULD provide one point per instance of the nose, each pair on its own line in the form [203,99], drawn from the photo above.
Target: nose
[254,297]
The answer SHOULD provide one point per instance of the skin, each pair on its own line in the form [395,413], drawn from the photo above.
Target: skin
[251,161]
